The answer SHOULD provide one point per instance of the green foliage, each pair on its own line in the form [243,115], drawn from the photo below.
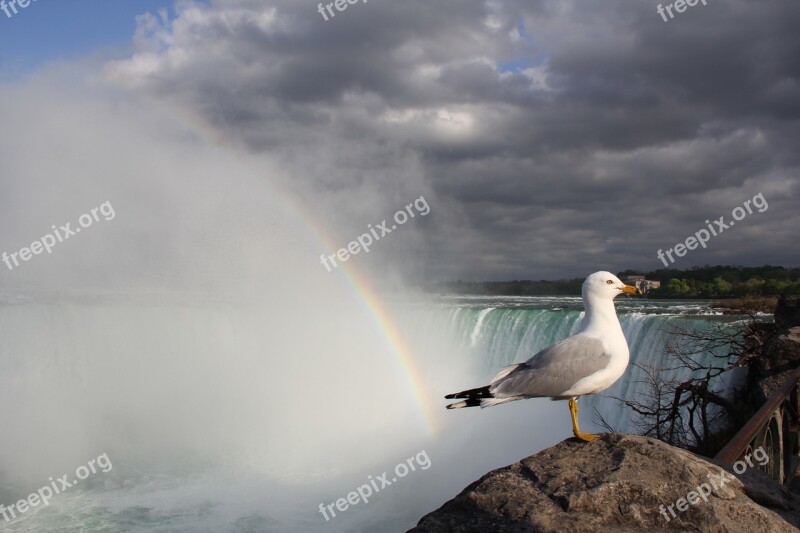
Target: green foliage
[676,288]
[698,282]
[726,282]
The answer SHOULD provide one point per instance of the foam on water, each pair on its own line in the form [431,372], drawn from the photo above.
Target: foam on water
[211,420]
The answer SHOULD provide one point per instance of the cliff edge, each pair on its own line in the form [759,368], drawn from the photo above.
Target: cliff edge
[618,483]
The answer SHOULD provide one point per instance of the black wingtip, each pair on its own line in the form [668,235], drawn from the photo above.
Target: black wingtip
[480,392]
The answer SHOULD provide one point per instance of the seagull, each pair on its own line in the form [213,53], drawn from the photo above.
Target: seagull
[586,363]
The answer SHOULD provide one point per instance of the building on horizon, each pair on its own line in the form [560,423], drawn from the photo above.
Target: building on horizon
[644,285]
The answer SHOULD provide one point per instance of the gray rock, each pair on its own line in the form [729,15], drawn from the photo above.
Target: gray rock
[779,358]
[615,483]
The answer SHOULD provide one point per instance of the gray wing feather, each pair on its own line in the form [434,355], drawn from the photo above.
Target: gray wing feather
[555,369]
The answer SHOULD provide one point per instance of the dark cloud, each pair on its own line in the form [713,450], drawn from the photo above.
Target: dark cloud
[551,137]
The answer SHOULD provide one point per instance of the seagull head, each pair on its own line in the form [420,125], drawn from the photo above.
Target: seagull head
[606,286]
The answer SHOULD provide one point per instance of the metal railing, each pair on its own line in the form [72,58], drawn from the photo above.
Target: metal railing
[774,428]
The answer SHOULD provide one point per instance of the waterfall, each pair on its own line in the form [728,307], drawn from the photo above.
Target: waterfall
[221,411]
[477,329]
[493,333]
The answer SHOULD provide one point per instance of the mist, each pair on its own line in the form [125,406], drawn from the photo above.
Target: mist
[169,198]
[197,327]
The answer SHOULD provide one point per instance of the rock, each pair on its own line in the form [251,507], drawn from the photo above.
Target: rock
[780,356]
[616,483]
[787,314]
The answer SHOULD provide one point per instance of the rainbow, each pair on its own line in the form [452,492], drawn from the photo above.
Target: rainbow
[372,303]
[399,348]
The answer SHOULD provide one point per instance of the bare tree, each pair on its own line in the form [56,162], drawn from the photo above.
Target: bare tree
[701,412]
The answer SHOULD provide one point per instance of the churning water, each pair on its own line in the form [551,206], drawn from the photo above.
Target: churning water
[222,415]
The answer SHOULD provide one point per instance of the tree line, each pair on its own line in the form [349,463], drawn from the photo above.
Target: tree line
[724,282]
[697,282]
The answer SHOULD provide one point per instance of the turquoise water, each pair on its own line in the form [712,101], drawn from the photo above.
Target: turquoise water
[499,331]
[228,416]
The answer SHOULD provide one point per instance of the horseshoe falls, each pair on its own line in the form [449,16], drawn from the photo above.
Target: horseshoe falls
[493,332]
[222,415]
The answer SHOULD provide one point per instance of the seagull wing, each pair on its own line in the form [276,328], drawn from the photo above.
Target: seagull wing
[554,370]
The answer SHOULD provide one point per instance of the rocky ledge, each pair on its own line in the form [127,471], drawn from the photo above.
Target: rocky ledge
[778,359]
[617,483]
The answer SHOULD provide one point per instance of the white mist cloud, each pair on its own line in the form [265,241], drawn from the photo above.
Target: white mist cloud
[251,344]
[545,136]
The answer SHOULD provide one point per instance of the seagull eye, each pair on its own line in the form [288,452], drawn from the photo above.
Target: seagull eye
[609,282]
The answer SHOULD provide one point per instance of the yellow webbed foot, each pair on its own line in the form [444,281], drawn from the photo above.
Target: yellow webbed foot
[573,411]
[586,437]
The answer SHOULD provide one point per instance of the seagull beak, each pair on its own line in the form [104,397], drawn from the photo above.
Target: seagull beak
[630,289]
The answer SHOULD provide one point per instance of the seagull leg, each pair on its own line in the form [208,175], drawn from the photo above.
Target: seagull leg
[573,410]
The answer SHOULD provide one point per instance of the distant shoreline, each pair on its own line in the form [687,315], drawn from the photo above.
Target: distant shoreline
[736,306]
[700,283]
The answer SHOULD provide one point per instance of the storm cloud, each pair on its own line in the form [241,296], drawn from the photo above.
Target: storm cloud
[551,138]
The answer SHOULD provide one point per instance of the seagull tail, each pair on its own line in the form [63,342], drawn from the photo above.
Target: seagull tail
[480,397]
[472,397]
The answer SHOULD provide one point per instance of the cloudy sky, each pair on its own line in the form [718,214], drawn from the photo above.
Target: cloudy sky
[550,138]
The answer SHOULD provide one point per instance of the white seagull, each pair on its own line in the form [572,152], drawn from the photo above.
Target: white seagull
[586,363]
